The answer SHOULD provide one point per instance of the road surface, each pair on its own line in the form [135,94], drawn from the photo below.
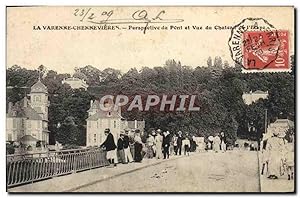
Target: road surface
[201,172]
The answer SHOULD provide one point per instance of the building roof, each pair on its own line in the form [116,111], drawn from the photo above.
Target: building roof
[104,114]
[22,109]
[284,121]
[39,87]
[140,124]
[94,105]
[31,114]
[260,92]
[74,79]
[28,138]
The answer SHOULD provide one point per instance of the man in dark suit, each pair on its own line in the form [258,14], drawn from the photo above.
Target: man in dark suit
[166,144]
[179,143]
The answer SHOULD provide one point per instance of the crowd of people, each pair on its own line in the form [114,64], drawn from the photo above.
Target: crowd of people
[277,153]
[277,156]
[158,144]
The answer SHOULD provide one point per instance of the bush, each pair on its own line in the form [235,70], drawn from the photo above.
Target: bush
[10,149]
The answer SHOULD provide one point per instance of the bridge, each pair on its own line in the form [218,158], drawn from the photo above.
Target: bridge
[86,171]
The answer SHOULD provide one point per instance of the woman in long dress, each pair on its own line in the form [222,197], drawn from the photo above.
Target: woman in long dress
[216,143]
[138,146]
[158,143]
[275,148]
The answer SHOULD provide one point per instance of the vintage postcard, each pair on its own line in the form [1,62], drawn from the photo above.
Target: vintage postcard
[150,99]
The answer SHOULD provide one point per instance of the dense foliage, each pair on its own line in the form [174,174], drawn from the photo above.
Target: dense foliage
[218,85]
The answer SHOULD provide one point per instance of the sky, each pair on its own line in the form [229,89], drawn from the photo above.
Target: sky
[63,50]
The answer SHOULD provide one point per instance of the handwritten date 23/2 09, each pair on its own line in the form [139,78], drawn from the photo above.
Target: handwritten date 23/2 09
[137,17]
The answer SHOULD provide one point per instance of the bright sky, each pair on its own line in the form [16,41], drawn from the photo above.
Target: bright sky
[63,50]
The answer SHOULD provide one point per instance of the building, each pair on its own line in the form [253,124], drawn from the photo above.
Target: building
[133,125]
[252,97]
[27,120]
[281,126]
[76,83]
[98,120]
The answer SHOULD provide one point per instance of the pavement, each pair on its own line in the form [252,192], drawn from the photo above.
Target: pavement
[73,181]
[282,184]
[232,171]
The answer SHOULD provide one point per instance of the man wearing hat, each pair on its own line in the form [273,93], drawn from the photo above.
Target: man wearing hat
[179,143]
[166,144]
[153,134]
[120,148]
[110,146]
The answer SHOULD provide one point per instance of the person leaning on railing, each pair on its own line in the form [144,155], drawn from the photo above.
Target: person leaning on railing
[110,146]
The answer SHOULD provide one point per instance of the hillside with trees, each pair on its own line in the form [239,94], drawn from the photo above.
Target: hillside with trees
[218,85]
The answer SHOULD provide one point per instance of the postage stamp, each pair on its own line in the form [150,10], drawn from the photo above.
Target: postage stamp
[282,61]
[260,49]
[255,44]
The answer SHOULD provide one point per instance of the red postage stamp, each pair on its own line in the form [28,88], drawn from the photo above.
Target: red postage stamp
[282,60]
[266,50]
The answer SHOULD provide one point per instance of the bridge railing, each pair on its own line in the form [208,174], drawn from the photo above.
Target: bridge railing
[25,168]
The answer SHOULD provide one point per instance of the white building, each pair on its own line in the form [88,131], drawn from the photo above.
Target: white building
[99,120]
[76,83]
[252,97]
[28,119]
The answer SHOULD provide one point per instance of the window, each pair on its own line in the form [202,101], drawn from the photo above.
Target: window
[115,124]
[33,134]
[9,137]
[37,98]
[89,138]
[97,125]
[95,138]
[14,123]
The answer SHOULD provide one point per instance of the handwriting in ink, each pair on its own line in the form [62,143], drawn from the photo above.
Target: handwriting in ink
[137,17]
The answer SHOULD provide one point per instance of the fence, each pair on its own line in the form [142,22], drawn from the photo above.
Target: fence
[21,169]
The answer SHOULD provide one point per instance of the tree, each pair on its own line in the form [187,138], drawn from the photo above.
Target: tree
[209,62]
[218,62]
[219,89]
[92,75]
[226,64]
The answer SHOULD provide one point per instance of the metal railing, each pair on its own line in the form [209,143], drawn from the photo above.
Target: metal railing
[21,169]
